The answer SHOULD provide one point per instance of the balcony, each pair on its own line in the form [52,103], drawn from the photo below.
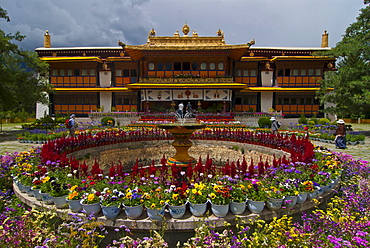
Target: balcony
[186,80]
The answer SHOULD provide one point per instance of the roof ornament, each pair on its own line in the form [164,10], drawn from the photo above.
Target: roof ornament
[195,34]
[121,44]
[186,29]
[152,32]
[220,33]
[176,34]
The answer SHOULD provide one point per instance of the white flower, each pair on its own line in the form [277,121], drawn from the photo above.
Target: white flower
[75,171]
[182,173]
[69,175]
[210,176]
[201,174]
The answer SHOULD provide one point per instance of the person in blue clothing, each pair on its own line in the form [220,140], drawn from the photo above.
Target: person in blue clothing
[73,125]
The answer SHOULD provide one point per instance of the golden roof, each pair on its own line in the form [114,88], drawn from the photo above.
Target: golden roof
[186,43]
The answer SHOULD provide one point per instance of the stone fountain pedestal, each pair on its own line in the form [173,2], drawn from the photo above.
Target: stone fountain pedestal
[182,143]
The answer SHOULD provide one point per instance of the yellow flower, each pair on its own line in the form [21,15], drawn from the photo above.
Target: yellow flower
[194,191]
[129,195]
[212,195]
[175,196]
[45,179]
[73,188]
[72,195]
[91,197]
[153,205]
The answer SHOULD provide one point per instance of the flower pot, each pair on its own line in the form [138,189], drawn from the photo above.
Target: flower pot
[238,207]
[36,193]
[302,197]
[47,199]
[321,190]
[91,208]
[256,207]
[290,201]
[75,205]
[329,187]
[110,212]
[313,195]
[220,210]
[177,211]
[60,201]
[21,187]
[134,212]
[198,210]
[155,214]
[274,204]
[29,191]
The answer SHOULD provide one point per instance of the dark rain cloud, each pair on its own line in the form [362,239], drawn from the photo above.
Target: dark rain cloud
[288,23]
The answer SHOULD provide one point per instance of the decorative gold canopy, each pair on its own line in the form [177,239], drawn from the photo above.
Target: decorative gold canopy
[186,43]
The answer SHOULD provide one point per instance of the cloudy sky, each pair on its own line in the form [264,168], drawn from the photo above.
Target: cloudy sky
[277,23]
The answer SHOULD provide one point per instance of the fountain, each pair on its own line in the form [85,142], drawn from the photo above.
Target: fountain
[181,131]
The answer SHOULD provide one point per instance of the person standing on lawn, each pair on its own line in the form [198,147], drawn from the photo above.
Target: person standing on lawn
[340,135]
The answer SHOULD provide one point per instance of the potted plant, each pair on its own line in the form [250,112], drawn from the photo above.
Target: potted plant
[133,203]
[238,199]
[197,198]
[257,195]
[275,198]
[176,198]
[111,200]
[154,203]
[220,197]
[91,202]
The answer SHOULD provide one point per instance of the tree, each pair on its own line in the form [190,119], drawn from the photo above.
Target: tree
[23,76]
[351,83]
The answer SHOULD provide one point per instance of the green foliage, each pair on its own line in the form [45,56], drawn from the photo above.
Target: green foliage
[351,83]
[264,122]
[251,109]
[314,120]
[19,87]
[302,119]
[108,121]
[324,121]
[215,108]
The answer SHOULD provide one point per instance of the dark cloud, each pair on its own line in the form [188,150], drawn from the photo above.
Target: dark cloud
[104,22]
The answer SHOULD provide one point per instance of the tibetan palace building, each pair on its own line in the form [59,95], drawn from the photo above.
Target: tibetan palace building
[167,70]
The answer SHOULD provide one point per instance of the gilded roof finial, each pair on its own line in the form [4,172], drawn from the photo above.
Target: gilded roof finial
[195,34]
[47,42]
[152,32]
[176,34]
[220,33]
[186,29]
[325,39]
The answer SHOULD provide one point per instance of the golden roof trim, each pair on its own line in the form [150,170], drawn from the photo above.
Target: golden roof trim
[301,58]
[64,59]
[118,59]
[95,89]
[250,89]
